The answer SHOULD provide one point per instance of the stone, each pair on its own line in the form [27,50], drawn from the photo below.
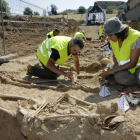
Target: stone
[6,58]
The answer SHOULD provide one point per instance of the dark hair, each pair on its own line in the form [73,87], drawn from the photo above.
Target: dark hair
[123,34]
[77,41]
[56,30]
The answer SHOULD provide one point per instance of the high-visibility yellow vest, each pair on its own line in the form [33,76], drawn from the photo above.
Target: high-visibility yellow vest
[122,54]
[101,31]
[79,34]
[50,33]
[60,43]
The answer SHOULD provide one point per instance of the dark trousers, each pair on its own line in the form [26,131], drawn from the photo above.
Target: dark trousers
[127,78]
[43,72]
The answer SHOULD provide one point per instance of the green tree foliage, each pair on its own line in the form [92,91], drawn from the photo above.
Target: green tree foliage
[81,10]
[119,11]
[36,13]
[54,9]
[27,11]
[64,13]
[109,10]
[69,11]
[5,6]
[122,7]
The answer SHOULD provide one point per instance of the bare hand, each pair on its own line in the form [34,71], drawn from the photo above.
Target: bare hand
[69,75]
[104,73]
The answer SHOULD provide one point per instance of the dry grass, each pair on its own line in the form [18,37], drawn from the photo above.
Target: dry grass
[79,17]
[110,15]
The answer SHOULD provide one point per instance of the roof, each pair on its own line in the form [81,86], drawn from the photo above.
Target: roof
[111,1]
[95,9]
[128,1]
[89,8]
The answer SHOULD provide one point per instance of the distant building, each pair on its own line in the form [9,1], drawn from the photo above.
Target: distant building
[105,4]
[133,10]
[95,15]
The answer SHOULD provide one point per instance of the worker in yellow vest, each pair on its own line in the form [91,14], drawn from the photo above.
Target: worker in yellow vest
[53,33]
[101,34]
[82,35]
[53,53]
[125,43]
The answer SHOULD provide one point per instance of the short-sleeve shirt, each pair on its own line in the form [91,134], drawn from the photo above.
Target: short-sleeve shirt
[136,44]
[55,54]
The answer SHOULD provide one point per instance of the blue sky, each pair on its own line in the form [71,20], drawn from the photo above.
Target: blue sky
[65,4]
[18,6]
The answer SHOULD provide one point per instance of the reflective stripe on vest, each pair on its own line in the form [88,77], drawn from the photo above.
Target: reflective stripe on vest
[47,47]
[41,50]
[124,62]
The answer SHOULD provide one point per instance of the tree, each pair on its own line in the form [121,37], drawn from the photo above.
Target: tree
[81,10]
[27,11]
[36,13]
[5,7]
[122,7]
[119,11]
[69,11]
[109,10]
[54,9]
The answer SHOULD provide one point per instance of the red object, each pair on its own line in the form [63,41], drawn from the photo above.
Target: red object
[135,92]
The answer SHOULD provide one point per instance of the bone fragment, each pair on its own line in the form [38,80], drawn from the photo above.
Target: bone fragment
[46,81]
[21,81]
[16,97]
[86,110]
[63,85]
[87,103]
[116,120]
[64,106]
[24,111]
[63,116]
[37,111]
[8,112]
[94,119]
[27,85]
[85,75]
[59,99]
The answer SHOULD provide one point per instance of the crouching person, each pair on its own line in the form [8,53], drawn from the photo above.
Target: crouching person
[125,43]
[54,52]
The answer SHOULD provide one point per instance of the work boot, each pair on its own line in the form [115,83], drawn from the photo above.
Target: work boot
[37,65]
[29,69]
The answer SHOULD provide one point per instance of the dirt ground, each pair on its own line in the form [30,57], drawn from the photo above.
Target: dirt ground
[38,109]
